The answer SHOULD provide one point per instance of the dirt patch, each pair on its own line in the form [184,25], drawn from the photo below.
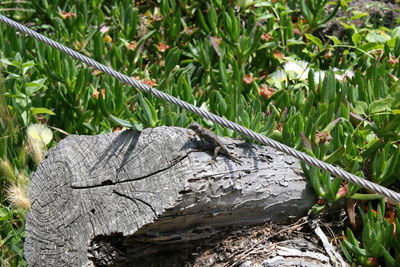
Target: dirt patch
[380,13]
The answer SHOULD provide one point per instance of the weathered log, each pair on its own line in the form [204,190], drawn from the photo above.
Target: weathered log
[105,200]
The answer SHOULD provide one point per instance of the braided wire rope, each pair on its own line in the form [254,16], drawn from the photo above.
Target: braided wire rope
[336,171]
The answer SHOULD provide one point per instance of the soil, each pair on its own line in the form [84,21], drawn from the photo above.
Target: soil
[382,13]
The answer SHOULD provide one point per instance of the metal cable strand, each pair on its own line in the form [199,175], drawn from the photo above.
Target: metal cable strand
[336,171]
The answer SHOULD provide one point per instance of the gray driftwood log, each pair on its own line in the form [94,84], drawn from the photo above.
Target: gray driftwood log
[105,200]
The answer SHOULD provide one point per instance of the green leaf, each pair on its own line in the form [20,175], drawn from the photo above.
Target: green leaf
[380,105]
[263,4]
[390,260]
[121,122]
[373,146]
[298,126]
[140,45]
[245,118]
[304,10]
[391,165]
[6,61]
[35,111]
[26,66]
[355,250]
[289,42]
[396,32]
[149,111]
[314,39]
[335,156]
[328,91]
[4,212]
[333,190]
[202,21]
[265,17]
[33,87]
[269,44]
[270,124]
[335,40]
[346,252]
[119,99]
[221,103]
[361,107]
[186,88]
[245,3]
[306,109]
[222,74]
[102,105]
[348,26]
[331,15]
[356,38]
[315,181]
[212,18]
[378,36]
[331,125]
[235,26]
[171,60]
[360,15]
[351,238]
[316,209]
[368,47]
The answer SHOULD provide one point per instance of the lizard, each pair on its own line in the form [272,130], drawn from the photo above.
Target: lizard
[213,141]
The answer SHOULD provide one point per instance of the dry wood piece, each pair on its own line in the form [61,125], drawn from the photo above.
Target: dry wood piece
[110,199]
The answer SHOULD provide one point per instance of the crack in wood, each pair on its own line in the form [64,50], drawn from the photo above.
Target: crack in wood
[75,185]
[137,199]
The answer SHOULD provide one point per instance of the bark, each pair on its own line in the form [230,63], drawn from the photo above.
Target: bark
[109,199]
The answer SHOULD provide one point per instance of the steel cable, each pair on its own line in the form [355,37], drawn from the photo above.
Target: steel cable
[336,171]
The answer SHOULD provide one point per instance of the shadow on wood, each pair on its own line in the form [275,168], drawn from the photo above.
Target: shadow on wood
[106,200]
